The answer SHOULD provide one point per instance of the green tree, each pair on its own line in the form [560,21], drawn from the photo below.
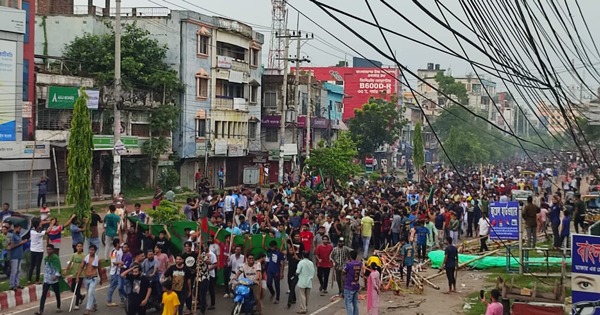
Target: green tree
[448,86]
[335,162]
[377,123]
[79,159]
[142,60]
[143,68]
[463,148]
[418,148]
[166,213]
[162,122]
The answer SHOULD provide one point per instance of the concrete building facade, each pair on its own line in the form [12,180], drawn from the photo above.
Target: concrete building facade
[218,61]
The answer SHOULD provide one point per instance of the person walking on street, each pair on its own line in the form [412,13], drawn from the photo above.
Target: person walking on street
[306,273]
[555,211]
[73,269]
[42,190]
[181,278]
[450,264]
[15,246]
[373,289]
[366,230]
[140,291]
[408,252]
[112,226]
[484,232]
[274,270]
[37,252]
[352,272]
[116,261]
[579,214]
[530,216]
[324,263]
[339,256]
[91,278]
[51,277]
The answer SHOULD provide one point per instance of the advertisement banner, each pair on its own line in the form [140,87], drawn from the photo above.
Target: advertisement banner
[505,221]
[585,274]
[64,97]
[360,84]
[8,88]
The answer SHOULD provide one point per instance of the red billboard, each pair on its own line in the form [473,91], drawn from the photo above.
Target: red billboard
[360,84]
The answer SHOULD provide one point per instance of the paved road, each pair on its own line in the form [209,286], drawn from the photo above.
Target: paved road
[318,304]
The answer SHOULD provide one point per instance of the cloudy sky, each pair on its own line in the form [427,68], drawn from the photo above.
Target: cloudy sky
[327,50]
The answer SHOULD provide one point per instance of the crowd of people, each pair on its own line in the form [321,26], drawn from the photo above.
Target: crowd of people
[321,233]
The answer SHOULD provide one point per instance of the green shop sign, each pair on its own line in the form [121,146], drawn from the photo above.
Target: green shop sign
[102,142]
[64,97]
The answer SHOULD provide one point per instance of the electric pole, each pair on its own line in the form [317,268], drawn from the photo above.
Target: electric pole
[308,112]
[118,146]
[283,107]
[298,60]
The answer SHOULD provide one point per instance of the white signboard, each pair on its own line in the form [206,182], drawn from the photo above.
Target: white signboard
[13,20]
[224,62]
[93,98]
[8,84]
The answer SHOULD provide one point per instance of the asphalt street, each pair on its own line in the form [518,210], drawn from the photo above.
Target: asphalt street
[318,304]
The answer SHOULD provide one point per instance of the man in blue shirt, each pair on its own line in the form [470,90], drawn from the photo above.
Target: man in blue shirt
[422,233]
[409,256]
[244,225]
[15,246]
[221,176]
[274,269]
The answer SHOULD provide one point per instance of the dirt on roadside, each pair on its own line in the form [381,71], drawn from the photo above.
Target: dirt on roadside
[433,301]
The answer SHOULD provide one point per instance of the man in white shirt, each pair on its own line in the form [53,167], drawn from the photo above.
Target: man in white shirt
[37,252]
[212,274]
[116,261]
[229,205]
[484,232]
[234,263]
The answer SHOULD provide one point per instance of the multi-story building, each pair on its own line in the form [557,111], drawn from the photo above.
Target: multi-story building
[22,162]
[480,92]
[219,62]
[325,104]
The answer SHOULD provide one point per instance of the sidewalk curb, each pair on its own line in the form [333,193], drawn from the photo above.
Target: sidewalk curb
[32,293]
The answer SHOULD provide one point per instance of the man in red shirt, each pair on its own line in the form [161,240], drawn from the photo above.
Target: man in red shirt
[307,238]
[324,263]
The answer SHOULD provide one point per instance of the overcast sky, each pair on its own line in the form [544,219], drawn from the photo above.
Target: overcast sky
[326,50]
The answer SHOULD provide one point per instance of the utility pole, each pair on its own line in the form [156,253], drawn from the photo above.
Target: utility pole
[298,60]
[283,107]
[308,112]
[297,35]
[117,99]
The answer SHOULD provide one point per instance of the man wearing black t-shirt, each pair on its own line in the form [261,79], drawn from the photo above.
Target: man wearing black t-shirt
[140,291]
[450,264]
[293,257]
[189,260]
[181,278]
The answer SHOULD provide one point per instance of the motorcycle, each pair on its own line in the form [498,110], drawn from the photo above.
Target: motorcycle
[243,300]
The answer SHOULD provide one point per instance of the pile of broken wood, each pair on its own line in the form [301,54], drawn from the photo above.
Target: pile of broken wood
[393,278]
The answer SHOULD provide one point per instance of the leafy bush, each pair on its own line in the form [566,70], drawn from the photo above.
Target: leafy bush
[168,177]
[166,213]
[373,177]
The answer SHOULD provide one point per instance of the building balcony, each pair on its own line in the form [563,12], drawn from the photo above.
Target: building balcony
[229,63]
[239,104]
[240,66]
[223,103]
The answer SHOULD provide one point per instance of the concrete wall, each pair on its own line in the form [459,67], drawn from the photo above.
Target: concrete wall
[191,64]
[61,30]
